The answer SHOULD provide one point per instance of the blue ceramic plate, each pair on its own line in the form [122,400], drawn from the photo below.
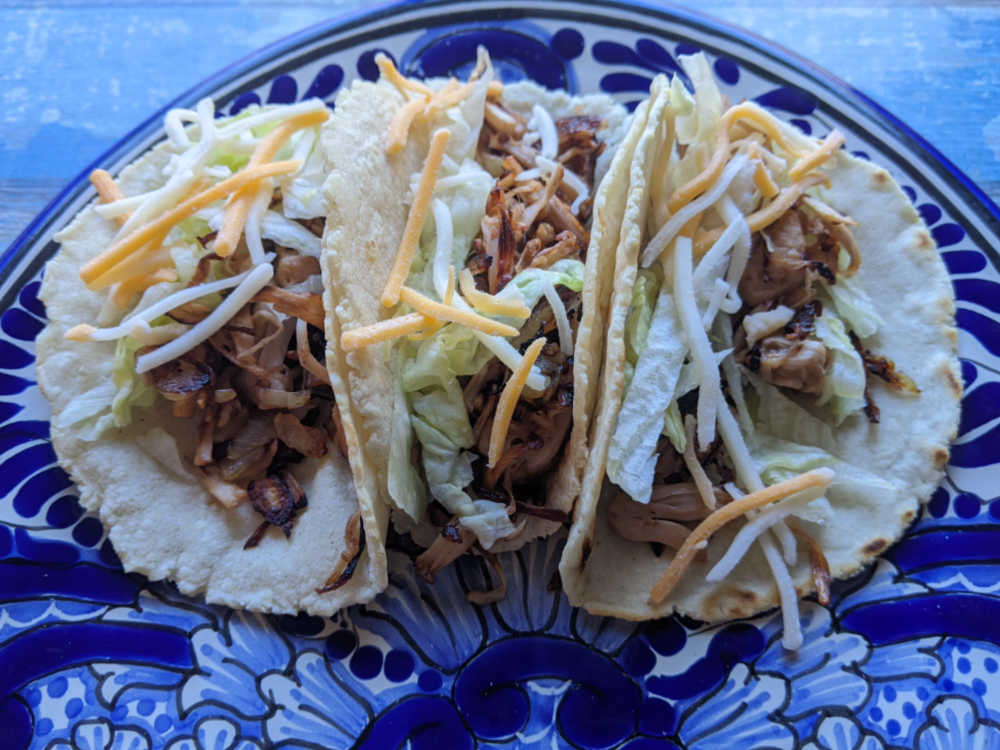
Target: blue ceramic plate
[907,653]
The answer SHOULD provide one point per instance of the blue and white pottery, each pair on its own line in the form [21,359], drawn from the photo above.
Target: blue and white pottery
[906,655]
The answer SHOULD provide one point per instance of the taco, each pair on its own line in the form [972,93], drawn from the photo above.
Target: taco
[183,361]
[780,378]
[469,245]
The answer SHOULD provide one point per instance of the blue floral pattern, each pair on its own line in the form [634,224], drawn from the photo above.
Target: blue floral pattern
[906,654]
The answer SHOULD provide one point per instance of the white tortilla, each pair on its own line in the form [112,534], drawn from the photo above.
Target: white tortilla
[159,519]
[367,193]
[906,279]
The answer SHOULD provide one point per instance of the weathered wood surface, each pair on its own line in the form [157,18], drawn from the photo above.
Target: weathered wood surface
[75,76]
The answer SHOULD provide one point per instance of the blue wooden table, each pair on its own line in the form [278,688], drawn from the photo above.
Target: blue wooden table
[76,75]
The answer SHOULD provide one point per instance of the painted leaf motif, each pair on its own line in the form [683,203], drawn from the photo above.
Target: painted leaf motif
[231,660]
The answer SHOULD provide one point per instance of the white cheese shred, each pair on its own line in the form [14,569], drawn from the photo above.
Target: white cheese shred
[255,280]
[542,121]
[702,356]
[720,289]
[167,304]
[173,124]
[675,223]
[791,636]
[770,518]
[562,319]
[251,230]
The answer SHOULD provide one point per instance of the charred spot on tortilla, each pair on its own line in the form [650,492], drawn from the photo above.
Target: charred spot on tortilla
[876,546]
[941,456]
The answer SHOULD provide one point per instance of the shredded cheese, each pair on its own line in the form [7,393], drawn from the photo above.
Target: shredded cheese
[162,307]
[388,70]
[124,291]
[251,230]
[508,400]
[399,128]
[81,332]
[490,304]
[445,237]
[774,210]
[701,480]
[754,528]
[447,298]
[678,220]
[815,478]
[104,262]
[415,220]
[762,176]
[506,353]
[107,190]
[741,247]
[808,162]
[148,259]
[720,290]
[542,121]
[748,112]
[254,281]
[791,632]
[238,210]
[710,398]
[438,311]
[173,125]
[148,335]
[448,97]
[384,330]
[561,318]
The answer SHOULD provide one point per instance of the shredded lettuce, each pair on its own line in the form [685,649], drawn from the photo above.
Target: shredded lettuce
[781,459]
[288,233]
[301,193]
[451,352]
[640,314]
[673,426]
[442,426]
[530,282]
[643,414]
[133,390]
[776,414]
[406,487]
[428,377]
[844,384]
[110,404]
[854,306]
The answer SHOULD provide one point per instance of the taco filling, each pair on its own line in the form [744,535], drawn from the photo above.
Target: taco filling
[486,300]
[214,299]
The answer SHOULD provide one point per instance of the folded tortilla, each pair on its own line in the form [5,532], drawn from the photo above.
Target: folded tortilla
[139,480]
[895,464]
[369,195]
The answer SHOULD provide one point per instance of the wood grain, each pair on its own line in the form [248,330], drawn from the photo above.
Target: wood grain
[77,75]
